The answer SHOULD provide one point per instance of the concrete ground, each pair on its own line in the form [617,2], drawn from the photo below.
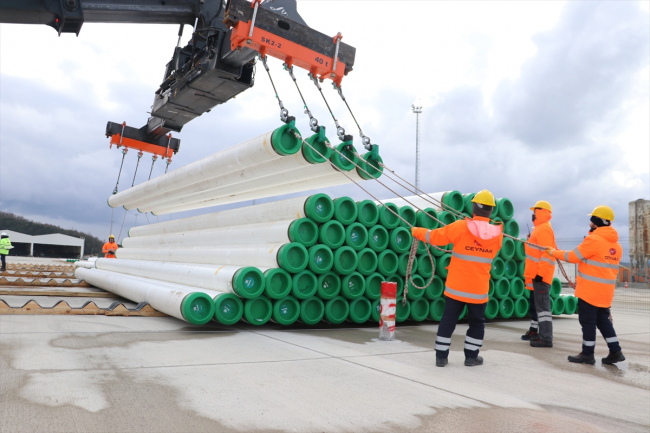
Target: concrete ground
[119,374]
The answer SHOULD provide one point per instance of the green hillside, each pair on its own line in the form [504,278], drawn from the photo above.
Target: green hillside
[9,221]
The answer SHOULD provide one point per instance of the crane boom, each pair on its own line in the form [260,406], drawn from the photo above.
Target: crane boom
[214,67]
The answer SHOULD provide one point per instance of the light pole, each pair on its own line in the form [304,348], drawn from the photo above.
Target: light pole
[417,110]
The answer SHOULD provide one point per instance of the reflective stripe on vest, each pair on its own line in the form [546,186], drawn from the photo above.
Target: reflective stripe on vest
[578,254]
[596,279]
[427,237]
[534,259]
[566,256]
[600,265]
[551,261]
[471,258]
[466,295]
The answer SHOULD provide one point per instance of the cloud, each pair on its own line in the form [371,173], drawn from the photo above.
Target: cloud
[548,131]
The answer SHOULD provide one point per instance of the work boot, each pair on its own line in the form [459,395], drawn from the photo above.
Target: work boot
[529,335]
[441,362]
[471,362]
[582,358]
[540,343]
[613,357]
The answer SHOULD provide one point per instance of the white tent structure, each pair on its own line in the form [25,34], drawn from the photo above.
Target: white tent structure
[56,240]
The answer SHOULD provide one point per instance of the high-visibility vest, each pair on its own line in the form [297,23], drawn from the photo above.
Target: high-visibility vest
[537,261]
[598,257]
[109,246]
[468,278]
[4,242]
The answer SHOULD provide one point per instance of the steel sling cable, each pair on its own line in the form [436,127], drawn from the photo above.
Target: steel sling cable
[136,168]
[124,151]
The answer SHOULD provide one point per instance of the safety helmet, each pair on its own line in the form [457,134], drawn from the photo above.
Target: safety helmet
[604,212]
[542,204]
[484,197]
[3,234]
[111,236]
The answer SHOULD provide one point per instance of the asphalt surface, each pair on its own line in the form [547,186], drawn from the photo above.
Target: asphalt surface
[138,374]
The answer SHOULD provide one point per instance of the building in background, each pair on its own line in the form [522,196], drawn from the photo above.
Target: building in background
[639,240]
[54,245]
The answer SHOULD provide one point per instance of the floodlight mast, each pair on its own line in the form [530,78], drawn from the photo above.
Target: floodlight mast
[417,110]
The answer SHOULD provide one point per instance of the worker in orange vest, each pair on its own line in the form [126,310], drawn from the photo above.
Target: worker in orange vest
[598,257]
[476,243]
[109,248]
[538,273]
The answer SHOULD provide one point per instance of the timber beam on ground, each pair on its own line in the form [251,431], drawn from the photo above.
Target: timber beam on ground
[89,308]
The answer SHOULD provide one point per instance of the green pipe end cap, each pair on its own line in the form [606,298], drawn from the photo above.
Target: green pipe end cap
[353,286]
[345,210]
[425,268]
[387,218]
[312,311]
[498,268]
[419,310]
[407,213]
[248,282]
[511,227]
[304,231]
[402,311]
[284,141]
[371,165]
[506,308]
[521,307]
[319,207]
[508,248]
[332,234]
[505,209]
[454,200]
[373,286]
[258,311]
[435,289]
[511,269]
[387,262]
[378,238]
[346,158]
[368,214]
[442,264]
[492,309]
[293,257]
[321,259]
[356,236]
[278,283]
[345,261]
[197,308]
[337,310]
[317,151]
[329,285]
[367,259]
[400,240]
[414,292]
[436,309]
[228,309]
[360,310]
[305,285]
[286,310]
[427,218]
[403,264]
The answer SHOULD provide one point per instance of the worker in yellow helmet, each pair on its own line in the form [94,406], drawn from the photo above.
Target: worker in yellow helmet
[476,243]
[109,248]
[598,257]
[538,273]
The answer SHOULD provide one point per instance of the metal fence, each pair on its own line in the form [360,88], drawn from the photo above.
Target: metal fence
[629,297]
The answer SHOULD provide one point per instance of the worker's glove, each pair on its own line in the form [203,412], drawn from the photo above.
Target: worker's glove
[549,251]
[413,230]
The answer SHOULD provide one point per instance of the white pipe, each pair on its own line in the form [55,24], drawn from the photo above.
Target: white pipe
[84,264]
[329,180]
[245,154]
[264,233]
[267,212]
[252,186]
[432,200]
[222,279]
[260,255]
[165,297]
[237,181]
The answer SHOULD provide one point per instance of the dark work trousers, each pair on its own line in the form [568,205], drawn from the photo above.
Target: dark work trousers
[542,296]
[4,261]
[474,336]
[534,325]
[590,318]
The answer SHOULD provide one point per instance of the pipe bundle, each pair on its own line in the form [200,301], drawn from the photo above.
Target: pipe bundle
[275,163]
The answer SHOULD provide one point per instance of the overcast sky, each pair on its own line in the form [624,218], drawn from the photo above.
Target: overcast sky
[532,100]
